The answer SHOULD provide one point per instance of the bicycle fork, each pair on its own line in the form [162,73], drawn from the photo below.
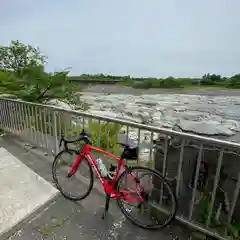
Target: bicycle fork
[75,166]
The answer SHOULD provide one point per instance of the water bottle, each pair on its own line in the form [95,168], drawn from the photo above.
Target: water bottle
[102,167]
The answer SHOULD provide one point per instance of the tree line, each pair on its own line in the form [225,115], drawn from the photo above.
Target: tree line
[169,82]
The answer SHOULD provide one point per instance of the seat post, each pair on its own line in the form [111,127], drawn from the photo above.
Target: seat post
[123,155]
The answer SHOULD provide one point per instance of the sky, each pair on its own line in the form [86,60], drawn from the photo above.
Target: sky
[141,38]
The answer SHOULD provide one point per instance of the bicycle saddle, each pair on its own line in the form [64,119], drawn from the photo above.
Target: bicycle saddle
[130,151]
[127,145]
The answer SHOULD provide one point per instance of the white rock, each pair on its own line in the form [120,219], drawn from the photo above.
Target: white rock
[157,116]
[206,128]
[61,104]
[231,124]
[103,113]
[209,115]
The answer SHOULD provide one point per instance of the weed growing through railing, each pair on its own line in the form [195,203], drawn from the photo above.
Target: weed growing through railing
[218,218]
[234,230]
[42,121]
[103,135]
[203,208]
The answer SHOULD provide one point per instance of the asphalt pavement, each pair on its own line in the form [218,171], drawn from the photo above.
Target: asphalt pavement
[64,219]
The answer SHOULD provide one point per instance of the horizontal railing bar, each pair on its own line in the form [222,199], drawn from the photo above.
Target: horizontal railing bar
[199,228]
[222,143]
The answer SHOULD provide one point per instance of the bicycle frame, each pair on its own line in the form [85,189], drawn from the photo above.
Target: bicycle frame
[108,185]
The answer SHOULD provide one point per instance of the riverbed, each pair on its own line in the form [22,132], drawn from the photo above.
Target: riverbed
[206,113]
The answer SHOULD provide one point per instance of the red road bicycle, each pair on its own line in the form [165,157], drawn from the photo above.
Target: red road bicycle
[142,194]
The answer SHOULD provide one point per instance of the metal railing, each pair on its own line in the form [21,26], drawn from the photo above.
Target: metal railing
[204,172]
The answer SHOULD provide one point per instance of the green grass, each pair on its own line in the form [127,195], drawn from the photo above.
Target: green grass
[208,88]
[176,85]
[189,88]
[104,135]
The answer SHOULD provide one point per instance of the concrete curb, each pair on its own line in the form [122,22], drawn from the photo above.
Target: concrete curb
[30,217]
[38,152]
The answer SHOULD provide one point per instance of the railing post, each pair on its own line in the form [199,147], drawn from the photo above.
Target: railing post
[215,186]
[55,133]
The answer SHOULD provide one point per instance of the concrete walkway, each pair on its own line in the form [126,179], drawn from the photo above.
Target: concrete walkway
[22,191]
[63,219]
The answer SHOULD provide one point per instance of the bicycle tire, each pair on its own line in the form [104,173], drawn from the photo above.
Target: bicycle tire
[136,221]
[58,185]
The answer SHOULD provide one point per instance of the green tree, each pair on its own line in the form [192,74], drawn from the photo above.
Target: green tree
[18,56]
[9,83]
[171,82]
[211,79]
[39,86]
[22,73]
[234,81]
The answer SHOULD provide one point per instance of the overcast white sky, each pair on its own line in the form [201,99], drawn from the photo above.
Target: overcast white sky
[129,37]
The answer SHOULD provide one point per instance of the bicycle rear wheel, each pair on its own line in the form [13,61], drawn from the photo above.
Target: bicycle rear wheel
[159,206]
[80,184]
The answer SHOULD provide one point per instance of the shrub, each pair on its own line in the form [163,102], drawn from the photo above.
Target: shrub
[142,84]
[234,81]
[171,82]
[108,134]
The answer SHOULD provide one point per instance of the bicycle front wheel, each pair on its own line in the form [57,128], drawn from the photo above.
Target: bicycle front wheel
[80,184]
[159,206]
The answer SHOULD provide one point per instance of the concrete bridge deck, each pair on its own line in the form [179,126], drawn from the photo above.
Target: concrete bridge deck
[44,214]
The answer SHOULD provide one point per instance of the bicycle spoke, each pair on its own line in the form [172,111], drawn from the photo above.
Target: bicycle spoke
[72,186]
[148,214]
